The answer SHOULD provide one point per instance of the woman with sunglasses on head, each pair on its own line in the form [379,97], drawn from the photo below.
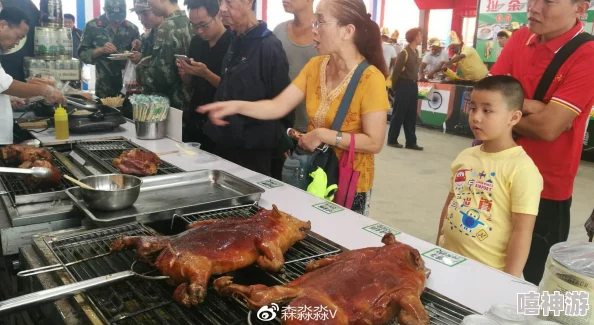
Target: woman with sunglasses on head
[344,35]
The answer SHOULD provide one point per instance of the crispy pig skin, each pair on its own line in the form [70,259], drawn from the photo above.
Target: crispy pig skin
[218,246]
[366,286]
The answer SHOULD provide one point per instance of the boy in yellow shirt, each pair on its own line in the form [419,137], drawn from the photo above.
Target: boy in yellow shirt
[490,211]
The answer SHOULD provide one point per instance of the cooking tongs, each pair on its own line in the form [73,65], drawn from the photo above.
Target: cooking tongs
[39,172]
[57,293]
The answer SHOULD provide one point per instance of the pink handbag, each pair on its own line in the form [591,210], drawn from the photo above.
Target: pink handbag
[347,177]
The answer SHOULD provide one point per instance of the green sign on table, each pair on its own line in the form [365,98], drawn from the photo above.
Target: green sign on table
[380,230]
[270,183]
[328,207]
[444,257]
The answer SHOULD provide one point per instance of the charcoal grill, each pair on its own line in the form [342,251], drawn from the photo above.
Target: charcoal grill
[138,301]
[20,193]
[103,152]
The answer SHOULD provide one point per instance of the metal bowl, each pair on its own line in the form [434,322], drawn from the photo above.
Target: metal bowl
[111,192]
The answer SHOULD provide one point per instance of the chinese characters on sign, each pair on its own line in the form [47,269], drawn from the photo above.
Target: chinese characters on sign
[380,230]
[328,207]
[302,313]
[573,303]
[444,257]
[514,5]
[492,5]
[271,183]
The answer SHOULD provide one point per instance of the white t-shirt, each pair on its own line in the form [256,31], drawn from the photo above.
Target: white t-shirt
[6,120]
[389,53]
[434,62]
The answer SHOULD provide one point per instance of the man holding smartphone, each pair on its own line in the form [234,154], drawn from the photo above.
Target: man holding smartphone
[201,71]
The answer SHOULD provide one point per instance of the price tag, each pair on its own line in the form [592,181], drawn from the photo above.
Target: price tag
[328,207]
[380,230]
[271,183]
[444,257]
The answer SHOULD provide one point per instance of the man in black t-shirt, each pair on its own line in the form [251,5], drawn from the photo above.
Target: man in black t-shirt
[202,73]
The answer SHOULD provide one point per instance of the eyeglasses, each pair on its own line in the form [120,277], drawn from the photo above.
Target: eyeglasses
[316,23]
[201,26]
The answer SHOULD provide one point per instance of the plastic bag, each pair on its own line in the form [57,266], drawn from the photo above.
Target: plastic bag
[129,76]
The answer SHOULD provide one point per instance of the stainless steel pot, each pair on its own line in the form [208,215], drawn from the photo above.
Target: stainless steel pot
[150,130]
[111,192]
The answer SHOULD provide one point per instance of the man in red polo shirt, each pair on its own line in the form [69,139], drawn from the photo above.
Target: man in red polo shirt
[552,131]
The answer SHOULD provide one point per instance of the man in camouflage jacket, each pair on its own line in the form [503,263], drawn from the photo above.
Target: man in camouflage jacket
[150,22]
[110,33]
[157,74]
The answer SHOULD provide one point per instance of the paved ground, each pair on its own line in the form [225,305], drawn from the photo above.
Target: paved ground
[411,187]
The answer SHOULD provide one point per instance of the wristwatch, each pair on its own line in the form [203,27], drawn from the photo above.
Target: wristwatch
[338,138]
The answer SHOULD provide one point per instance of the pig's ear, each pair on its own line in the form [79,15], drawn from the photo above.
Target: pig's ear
[415,260]
[276,214]
[389,239]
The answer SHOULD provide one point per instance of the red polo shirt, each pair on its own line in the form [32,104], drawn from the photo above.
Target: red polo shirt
[526,59]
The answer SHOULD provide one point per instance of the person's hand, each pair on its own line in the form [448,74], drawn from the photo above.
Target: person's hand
[53,95]
[146,58]
[136,45]
[431,75]
[219,110]
[108,48]
[135,57]
[310,141]
[194,68]
[17,102]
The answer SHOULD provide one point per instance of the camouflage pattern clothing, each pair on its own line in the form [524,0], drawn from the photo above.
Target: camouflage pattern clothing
[97,32]
[148,41]
[158,74]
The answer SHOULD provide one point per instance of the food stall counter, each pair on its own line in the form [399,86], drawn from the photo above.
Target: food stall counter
[470,283]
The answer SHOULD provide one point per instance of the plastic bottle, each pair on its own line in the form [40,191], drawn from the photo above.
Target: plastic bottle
[61,123]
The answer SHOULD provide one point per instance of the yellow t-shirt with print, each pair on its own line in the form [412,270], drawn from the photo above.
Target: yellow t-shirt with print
[472,66]
[322,106]
[488,188]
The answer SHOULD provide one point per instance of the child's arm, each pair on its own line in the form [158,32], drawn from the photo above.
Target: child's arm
[519,243]
[443,214]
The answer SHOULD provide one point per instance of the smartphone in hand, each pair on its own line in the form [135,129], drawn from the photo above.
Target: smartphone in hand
[182,58]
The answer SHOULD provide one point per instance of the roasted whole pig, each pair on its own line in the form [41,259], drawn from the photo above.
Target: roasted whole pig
[365,286]
[216,247]
[42,182]
[25,153]
[137,162]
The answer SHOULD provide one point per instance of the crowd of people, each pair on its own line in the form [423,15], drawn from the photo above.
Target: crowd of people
[241,87]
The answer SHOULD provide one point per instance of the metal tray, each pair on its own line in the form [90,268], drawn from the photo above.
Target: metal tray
[164,196]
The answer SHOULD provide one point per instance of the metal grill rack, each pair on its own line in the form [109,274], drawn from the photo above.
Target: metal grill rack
[140,301]
[16,186]
[105,151]
[136,301]
[441,310]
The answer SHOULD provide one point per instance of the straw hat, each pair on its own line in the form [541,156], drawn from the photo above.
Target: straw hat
[395,35]
[434,41]
[385,31]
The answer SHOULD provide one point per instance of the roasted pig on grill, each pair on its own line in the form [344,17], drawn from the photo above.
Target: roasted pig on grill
[42,182]
[216,247]
[137,162]
[365,286]
[25,153]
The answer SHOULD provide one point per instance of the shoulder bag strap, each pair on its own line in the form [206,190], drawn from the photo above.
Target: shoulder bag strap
[348,96]
[558,60]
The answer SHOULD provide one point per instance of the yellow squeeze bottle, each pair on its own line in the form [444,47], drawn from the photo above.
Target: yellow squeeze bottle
[61,123]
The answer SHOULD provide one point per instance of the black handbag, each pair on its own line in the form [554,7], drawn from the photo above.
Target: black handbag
[301,163]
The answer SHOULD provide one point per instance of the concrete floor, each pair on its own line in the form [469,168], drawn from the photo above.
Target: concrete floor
[411,187]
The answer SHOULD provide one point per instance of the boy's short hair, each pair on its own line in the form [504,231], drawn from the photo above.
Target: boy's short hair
[509,87]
